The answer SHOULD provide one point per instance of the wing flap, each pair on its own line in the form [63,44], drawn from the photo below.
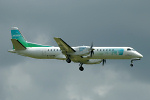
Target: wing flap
[17,45]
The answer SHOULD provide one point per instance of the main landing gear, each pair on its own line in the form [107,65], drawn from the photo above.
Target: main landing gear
[134,60]
[68,60]
[81,68]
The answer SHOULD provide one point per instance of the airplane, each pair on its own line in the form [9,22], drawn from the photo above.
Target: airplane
[79,54]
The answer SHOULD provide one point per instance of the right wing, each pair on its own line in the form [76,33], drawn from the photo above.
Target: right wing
[65,48]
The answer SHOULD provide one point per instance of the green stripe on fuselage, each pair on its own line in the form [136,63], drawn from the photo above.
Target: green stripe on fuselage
[36,45]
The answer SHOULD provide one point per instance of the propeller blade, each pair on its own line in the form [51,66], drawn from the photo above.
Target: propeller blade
[92,53]
[104,61]
[91,50]
[91,45]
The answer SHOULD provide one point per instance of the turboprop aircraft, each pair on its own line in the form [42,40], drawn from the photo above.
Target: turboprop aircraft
[79,54]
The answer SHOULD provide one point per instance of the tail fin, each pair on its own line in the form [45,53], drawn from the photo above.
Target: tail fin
[18,41]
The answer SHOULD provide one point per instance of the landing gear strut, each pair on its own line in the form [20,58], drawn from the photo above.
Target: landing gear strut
[134,60]
[81,68]
[131,63]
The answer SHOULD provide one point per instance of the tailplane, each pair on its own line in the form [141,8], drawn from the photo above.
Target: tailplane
[17,45]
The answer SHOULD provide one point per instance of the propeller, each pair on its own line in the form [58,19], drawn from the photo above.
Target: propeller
[103,61]
[91,50]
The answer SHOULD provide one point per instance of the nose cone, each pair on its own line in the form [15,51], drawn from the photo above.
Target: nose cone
[140,56]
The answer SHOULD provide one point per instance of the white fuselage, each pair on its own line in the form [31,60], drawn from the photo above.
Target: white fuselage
[99,53]
[79,54]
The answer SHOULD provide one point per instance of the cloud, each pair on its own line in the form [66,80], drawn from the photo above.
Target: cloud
[106,23]
[102,90]
[28,80]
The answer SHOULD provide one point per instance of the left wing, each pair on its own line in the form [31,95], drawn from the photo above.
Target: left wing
[65,48]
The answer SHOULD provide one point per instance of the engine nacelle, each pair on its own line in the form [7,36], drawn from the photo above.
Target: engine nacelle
[81,51]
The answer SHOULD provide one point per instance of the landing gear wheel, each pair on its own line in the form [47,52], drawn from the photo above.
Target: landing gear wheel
[81,68]
[68,60]
[131,65]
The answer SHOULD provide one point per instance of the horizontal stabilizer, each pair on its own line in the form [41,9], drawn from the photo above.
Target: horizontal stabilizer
[17,45]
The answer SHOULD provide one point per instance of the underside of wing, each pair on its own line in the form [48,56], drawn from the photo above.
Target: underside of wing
[85,60]
[65,48]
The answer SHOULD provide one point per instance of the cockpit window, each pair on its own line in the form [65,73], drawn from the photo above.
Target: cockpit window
[128,49]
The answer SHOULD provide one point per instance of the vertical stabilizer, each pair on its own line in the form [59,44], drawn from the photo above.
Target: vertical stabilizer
[19,42]
[16,35]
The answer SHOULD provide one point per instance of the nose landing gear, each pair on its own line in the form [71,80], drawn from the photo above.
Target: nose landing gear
[134,60]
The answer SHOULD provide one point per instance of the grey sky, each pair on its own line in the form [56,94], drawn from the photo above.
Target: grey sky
[78,22]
